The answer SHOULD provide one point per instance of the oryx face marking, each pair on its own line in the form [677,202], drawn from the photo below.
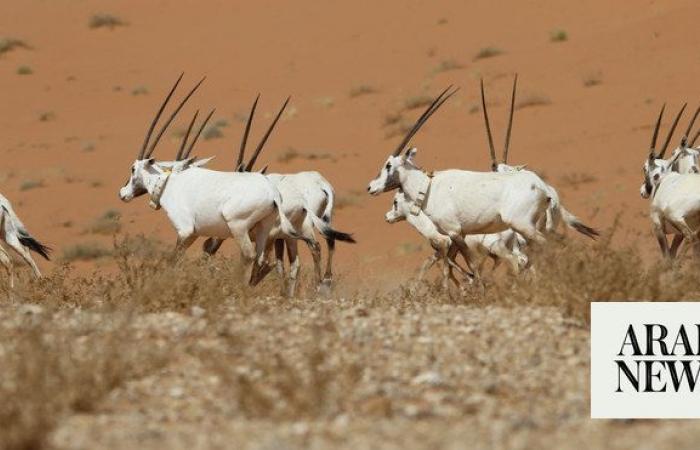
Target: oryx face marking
[388,178]
[136,186]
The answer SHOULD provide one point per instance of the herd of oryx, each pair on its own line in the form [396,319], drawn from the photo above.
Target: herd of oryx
[478,215]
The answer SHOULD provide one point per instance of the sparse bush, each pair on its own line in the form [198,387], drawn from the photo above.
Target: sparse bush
[392,119]
[325,102]
[139,90]
[87,251]
[447,65]
[417,101]
[532,100]
[362,89]
[105,21]
[8,44]
[593,79]
[24,70]
[488,52]
[27,185]
[47,116]
[107,223]
[558,35]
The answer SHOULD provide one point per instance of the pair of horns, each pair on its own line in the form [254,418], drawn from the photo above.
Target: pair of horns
[655,135]
[506,144]
[148,145]
[437,103]
[240,166]
[185,150]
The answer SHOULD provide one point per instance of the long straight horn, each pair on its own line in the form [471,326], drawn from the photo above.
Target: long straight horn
[155,119]
[692,122]
[655,135]
[260,146]
[178,157]
[244,139]
[492,149]
[510,121]
[170,119]
[437,103]
[196,136]
[670,132]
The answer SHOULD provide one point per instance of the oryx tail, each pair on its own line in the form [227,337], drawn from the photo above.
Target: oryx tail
[12,224]
[575,223]
[330,202]
[326,231]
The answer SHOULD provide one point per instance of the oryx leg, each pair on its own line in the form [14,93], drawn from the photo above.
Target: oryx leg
[6,261]
[658,228]
[261,267]
[279,257]
[307,231]
[675,244]
[212,245]
[23,252]
[294,264]
[328,276]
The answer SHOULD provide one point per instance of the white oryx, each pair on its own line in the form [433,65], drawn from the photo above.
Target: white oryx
[683,161]
[203,202]
[461,202]
[15,234]
[307,201]
[505,245]
[555,211]
[675,203]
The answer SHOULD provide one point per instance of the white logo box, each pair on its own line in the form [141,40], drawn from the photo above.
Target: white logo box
[610,322]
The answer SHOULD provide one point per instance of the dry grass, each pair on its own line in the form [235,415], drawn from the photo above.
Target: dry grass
[85,251]
[107,223]
[558,35]
[487,52]
[362,89]
[28,185]
[105,20]
[160,351]
[448,65]
[8,44]
[531,100]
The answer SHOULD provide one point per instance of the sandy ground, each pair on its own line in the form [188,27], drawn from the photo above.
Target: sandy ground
[72,127]
[589,141]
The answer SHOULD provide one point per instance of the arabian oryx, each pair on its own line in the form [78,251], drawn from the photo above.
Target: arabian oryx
[307,201]
[15,234]
[675,202]
[555,211]
[505,245]
[683,162]
[461,202]
[203,202]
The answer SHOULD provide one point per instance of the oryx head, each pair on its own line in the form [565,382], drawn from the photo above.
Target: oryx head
[144,167]
[495,165]
[655,165]
[397,213]
[388,178]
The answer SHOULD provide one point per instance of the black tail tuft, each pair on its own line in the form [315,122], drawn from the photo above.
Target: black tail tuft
[585,229]
[336,235]
[34,245]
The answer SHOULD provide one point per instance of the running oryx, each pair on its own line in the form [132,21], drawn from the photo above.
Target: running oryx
[555,211]
[307,200]
[202,202]
[675,202]
[15,234]
[505,245]
[461,202]
[683,161]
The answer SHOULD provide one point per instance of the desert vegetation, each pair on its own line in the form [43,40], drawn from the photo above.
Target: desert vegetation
[105,20]
[143,354]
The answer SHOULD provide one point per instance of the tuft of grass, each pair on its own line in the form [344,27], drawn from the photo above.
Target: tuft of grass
[558,35]
[488,52]
[576,179]
[392,119]
[139,90]
[593,79]
[417,101]
[8,44]
[24,70]
[105,20]
[447,65]
[107,224]
[27,185]
[361,89]
[47,116]
[325,102]
[292,153]
[347,200]
[532,100]
[87,251]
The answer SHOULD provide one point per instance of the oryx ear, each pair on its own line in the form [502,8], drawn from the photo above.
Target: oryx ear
[150,161]
[201,162]
[410,154]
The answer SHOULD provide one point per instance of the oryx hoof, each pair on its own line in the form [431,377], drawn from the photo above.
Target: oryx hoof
[325,286]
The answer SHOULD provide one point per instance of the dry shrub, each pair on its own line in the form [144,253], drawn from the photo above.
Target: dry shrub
[49,371]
